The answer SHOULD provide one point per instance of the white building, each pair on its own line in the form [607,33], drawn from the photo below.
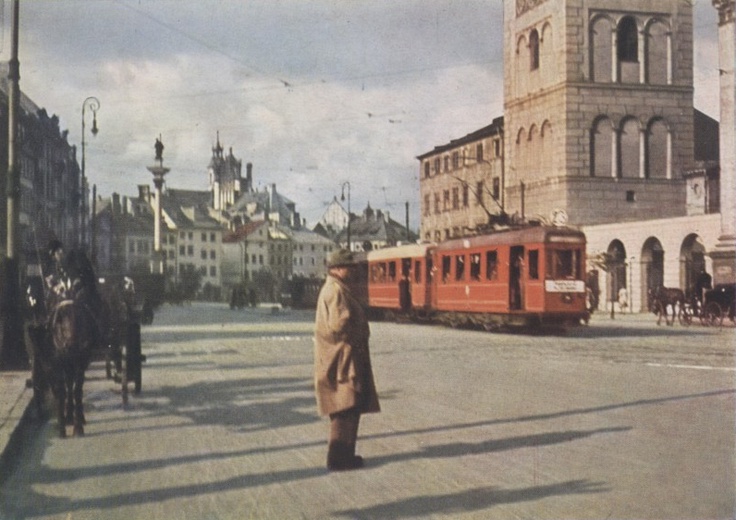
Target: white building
[310,253]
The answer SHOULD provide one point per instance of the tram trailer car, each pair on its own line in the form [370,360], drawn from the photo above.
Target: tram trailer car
[527,277]
[397,281]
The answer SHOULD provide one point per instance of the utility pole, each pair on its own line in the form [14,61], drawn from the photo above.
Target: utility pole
[408,233]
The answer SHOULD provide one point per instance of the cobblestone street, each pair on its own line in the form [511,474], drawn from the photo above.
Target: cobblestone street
[622,419]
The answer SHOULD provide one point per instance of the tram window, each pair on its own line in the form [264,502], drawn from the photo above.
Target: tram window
[475,266]
[534,264]
[446,268]
[565,264]
[378,273]
[460,267]
[491,265]
[418,271]
[392,271]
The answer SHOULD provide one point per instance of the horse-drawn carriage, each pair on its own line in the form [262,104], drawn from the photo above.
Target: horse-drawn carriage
[125,310]
[718,303]
[715,305]
[74,318]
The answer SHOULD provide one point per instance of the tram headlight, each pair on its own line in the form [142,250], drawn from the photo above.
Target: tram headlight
[566,298]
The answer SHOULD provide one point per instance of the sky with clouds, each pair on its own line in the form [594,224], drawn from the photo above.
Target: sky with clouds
[314,93]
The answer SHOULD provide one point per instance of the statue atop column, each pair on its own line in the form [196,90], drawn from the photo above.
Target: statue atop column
[159,147]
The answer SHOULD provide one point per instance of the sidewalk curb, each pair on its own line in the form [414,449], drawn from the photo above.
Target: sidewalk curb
[19,417]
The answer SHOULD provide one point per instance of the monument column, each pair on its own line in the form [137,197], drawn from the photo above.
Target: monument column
[158,170]
[724,254]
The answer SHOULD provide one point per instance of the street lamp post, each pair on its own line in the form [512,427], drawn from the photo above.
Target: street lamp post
[342,197]
[12,353]
[94,105]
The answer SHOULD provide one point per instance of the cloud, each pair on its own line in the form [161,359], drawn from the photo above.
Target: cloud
[312,92]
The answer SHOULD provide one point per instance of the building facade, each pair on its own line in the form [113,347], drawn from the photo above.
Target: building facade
[724,254]
[194,237]
[259,254]
[310,252]
[461,184]
[598,108]
[50,180]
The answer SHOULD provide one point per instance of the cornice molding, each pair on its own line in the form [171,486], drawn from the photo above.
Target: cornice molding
[522,6]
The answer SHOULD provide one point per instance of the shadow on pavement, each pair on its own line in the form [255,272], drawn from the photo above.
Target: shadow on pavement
[556,415]
[471,500]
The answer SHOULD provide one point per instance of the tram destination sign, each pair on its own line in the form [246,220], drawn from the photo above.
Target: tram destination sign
[577,286]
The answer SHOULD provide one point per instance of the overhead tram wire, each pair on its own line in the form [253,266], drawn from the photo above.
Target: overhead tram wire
[281,82]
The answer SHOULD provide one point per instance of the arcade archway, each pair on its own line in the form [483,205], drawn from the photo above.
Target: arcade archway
[652,269]
[616,271]
[692,262]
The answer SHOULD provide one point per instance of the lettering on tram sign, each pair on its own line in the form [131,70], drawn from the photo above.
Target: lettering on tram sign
[577,286]
[561,239]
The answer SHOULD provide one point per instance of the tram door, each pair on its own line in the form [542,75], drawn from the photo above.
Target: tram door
[405,285]
[516,280]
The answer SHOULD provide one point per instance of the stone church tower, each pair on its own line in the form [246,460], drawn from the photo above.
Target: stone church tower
[225,181]
[598,108]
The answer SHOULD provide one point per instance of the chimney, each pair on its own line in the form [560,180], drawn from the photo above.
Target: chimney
[271,196]
[248,177]
[116,204]
[144,192]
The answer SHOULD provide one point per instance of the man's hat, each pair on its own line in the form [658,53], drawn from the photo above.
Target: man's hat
[341,258]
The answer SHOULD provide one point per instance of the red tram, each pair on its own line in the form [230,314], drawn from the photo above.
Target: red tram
[532,276]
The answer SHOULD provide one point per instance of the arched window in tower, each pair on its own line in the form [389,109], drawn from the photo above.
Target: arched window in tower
[628,40]
[601,147]
[521,74]
[532,150]
[547,53]
[521,151]
[601,50]
[629,149]
[545,147]
[657,54]
[657,154]
[534,50]
[627,50]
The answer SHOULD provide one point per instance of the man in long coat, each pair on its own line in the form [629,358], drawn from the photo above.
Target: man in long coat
[343,377]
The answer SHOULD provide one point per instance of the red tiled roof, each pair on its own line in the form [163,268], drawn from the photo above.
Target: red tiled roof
[243,231]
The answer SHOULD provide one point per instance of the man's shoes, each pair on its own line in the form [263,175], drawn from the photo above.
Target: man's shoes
[356,462]
[340,458]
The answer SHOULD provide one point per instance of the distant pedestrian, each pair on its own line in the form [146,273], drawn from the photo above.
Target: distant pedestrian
[344,384]
[405,294]
[702,284]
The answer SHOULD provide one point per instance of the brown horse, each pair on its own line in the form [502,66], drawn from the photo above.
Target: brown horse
[664,298]
[73,335]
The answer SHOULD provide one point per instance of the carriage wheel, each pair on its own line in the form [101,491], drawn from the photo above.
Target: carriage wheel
[713,314]
[700,312]
[124,372]
[136,360]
